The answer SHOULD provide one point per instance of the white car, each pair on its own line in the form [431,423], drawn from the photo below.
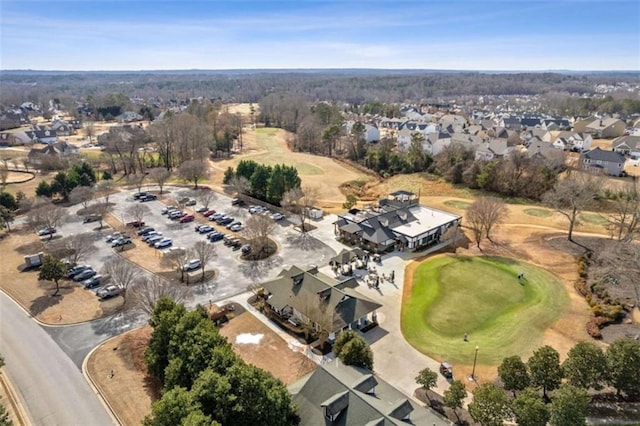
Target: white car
[108,291]
[192,265]
[166,242]
[277,216]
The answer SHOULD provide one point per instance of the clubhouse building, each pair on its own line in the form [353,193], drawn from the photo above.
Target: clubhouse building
[397,222]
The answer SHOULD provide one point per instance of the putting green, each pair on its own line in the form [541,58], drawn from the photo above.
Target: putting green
[481,296]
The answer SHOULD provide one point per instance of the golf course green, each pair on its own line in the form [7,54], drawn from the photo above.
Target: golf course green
[482,297]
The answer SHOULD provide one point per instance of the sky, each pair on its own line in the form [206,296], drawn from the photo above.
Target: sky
[242,34]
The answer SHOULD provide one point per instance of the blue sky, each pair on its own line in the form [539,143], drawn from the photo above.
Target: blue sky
[238,34]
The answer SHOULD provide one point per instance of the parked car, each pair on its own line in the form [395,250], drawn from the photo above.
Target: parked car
[208,212]
[76,270]
[236,227]
[225,220]
[108,291]
[136,223]
[257,209]
[236,222]
[150,235]
[229,239]
[47,231]
[183,200]
[236,244]
[163,243]
[92,282]
[215,236]
[113,236]
[151,241]
[91,218]
[446,369]
[202,209]
[204,229]
[168,209]
[146,230]
[84,275]
[149,197]
[236,202]
[187,218]
[190,202]
[176,215]
[139,195]
[215,216]
[246,249]
[192,265]
[277,216]
[121,242]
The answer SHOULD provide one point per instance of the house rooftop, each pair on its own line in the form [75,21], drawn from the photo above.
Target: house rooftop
[600,155]
[425,217]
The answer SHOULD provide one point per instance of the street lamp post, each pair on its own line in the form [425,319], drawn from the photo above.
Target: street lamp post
[475,358]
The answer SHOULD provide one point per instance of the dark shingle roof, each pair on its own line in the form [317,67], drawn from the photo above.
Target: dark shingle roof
[608,156]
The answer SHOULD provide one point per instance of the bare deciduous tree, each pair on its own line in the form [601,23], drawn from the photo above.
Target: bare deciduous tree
[149,290]
[74,247]
[316,316]
[204,196]
[99,210]
[483,215]
[257,230]
[571,195]
[626,212]
[89,130]
[193,171]
[4,173]
[204,252]
[81,195]
[298,201]
[122,273]
[137,180]
[176,259]
[239,185]
[160,175]
[138,211]
[46,214]
[105,188]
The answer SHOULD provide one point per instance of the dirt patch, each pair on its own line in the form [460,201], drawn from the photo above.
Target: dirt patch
[265,349]
[117,368]
[72,305]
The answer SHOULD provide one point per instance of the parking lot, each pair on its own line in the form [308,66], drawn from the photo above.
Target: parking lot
[233,274]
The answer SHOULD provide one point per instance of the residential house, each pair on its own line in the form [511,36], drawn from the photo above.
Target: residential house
[552,124]
[572,141]
[342,395]
[494,148]
[627,145]
[501,132]
[606,128]
[59,149]
[527,135]
[438,142]
[13,120]
[610,162]
[545,151]
[580,124]
[351,309]
[129,116]
[530,122]
[409,128]
[43,136]
[371,133]
[457,122]
[14,139]
[512,123]
[395,222]
[62,128]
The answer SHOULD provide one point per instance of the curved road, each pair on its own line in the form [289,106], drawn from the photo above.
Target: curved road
[50,385]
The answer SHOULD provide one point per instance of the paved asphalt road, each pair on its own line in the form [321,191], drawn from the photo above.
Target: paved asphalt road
[47,381]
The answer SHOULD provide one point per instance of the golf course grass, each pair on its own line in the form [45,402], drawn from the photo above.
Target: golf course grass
[593,219]
[538,212]
[457,204]
[480,296]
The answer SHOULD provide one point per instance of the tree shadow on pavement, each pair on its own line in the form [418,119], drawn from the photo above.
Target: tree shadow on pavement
[304,242]
[258,269]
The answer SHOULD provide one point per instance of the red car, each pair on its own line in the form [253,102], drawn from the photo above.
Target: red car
[208,213]
[187,218]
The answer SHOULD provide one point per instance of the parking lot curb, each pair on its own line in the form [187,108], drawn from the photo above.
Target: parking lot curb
[96,388]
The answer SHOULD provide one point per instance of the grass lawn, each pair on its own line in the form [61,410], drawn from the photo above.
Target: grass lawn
[481,296]
[276,153]
[593,219]
[457,204]
[538,212]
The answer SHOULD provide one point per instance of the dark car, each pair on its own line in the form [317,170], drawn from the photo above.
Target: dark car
[93,282]
[85,275]
[150,197]
[76,270]
[226,221]
[140,195]
[246,249]
[215,236]
[237,202]
[91,218]
[136,223]
[146,230]
[446,369]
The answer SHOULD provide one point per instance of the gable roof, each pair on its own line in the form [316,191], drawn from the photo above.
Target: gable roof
[630,141]
[386,406]
[608,156]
